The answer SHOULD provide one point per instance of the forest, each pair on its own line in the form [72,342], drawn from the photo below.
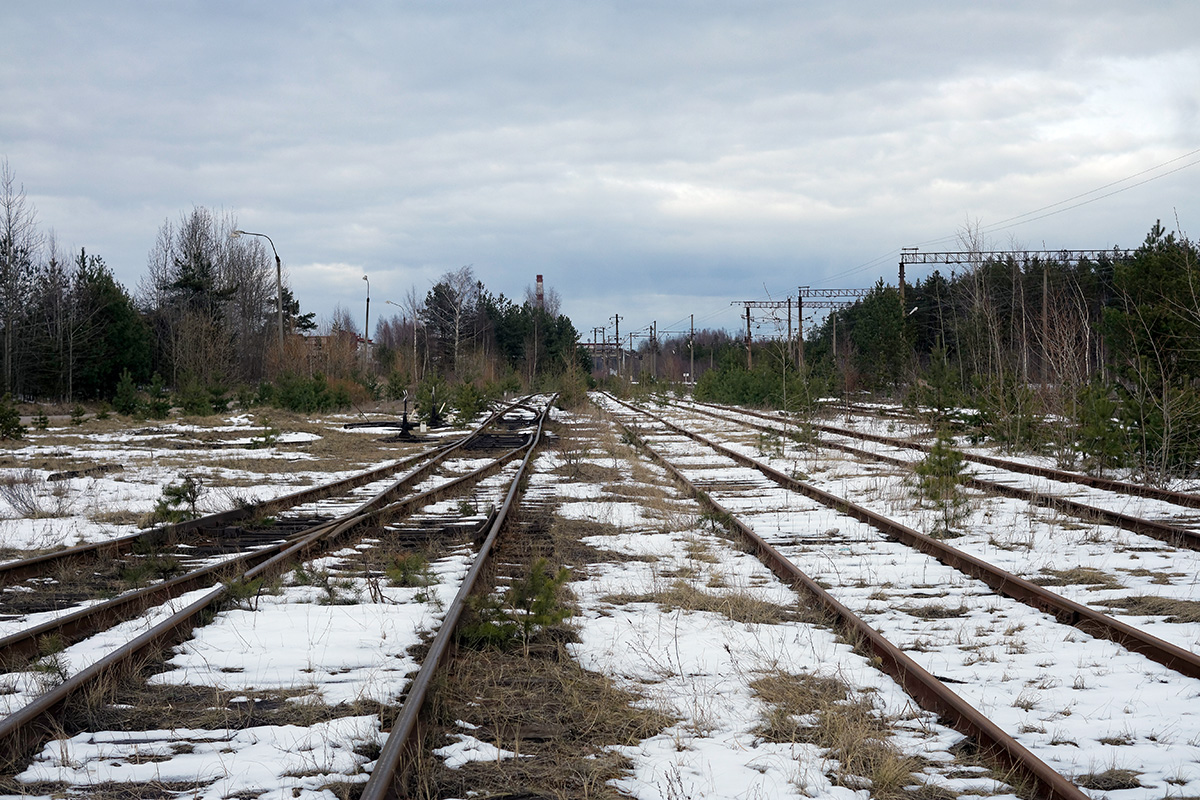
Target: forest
[213,322]
[1094,361]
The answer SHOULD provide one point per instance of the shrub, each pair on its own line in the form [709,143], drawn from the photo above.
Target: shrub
[1101,440]
[171,507]
[469,401]
[572,389]
[410,570]
[217,399]
[126,400]
[939,475]
[194,399]
[529,605]
[432,394]
[10,420]
[158,405]
[1008,413]
[397,385]
[307,395]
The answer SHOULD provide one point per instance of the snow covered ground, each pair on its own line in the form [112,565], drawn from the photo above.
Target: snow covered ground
[680,616]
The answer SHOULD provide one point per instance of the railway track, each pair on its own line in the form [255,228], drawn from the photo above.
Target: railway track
[60,595]
[219,524]
[1004,477]
[806,546]
[434,513]
[1185,499]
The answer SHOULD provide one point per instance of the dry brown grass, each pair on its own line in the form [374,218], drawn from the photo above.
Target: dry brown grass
[559,717]
[1111,780]
[735,606]
[116,517]
[1152,606]
[337,449]
[935,611]
[1159,578]
[823,711]
[152,790]
[156,706]
[1084,576]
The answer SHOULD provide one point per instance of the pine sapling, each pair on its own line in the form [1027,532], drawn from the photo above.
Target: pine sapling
[939,475]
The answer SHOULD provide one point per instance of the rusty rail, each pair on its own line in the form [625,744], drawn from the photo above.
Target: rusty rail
[1122,487]
[34,566]
[1171,534]
[28,726]
[1064,610]
[929,692]
[387,773]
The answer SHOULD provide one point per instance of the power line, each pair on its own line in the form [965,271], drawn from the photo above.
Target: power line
[1029,216]
[1009,222]
[1102,188]
[1094,199]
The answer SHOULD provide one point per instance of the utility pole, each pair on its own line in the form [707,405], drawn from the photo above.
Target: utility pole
[594,350]
[749,356]
[833,316]
[366,330]
[692,349]
[1045,314]
[790,342]
[631,356]
[800,326]
[617,338]
[654,349]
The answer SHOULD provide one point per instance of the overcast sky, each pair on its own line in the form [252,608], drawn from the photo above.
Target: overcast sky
[652,159]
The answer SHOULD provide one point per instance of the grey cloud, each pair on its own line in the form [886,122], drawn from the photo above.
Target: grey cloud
[714,148]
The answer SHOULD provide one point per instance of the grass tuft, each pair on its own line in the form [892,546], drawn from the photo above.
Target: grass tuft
[1111,780]
[824,711]
[1151,606]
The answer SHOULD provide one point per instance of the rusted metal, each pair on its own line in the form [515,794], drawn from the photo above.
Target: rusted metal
[386,774]
[14,571]
[70,628]
[929,692]
[1171,534]
[1064,610]
[1122,487]
[26,727]
[1095,482]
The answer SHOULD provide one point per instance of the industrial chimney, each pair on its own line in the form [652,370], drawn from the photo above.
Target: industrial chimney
[541,297]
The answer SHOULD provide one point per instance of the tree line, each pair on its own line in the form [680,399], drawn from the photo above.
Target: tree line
[203,325]
[1096,361]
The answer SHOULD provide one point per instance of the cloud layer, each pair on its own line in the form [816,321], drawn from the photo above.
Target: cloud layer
[653,160]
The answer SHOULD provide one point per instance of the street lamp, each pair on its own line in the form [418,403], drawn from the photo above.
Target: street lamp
[367,329]
[278,284]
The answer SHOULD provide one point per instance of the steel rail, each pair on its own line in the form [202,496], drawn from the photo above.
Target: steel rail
[1061,608]
[84,622]
[13,571]
[1163,531]
[386,774]
[28,726]
[1111,484]
[929,692]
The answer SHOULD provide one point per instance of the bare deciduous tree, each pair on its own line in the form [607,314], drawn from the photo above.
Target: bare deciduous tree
[20,243]
[212,298]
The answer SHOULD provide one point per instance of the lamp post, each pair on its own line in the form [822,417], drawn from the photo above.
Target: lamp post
[278,284]
[367,329]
